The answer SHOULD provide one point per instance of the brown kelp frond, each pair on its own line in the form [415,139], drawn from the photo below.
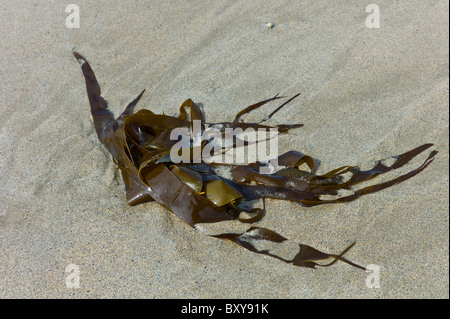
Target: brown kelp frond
[128,111]
[103,118]
[279,108]
[142,146]
[255,106]
[267,242]
[307,188]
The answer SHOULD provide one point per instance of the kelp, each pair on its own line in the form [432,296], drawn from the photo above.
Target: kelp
[140,145]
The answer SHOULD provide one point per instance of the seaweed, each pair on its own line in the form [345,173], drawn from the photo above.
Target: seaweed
[140,144]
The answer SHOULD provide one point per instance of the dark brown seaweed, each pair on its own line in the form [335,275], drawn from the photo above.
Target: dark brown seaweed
[140,146]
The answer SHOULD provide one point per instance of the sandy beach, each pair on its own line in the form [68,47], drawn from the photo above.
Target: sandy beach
[366,94]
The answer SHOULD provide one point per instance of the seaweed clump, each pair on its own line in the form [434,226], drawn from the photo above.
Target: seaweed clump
[140,144]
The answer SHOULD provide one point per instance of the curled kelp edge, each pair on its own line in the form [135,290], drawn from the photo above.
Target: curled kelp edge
[139,144]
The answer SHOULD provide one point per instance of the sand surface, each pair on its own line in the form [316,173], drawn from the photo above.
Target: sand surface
[367,94]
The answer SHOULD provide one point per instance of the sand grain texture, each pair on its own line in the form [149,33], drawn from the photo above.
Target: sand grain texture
[366,94]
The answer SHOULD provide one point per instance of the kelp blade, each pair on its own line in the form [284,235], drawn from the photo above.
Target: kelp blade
[139,144]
